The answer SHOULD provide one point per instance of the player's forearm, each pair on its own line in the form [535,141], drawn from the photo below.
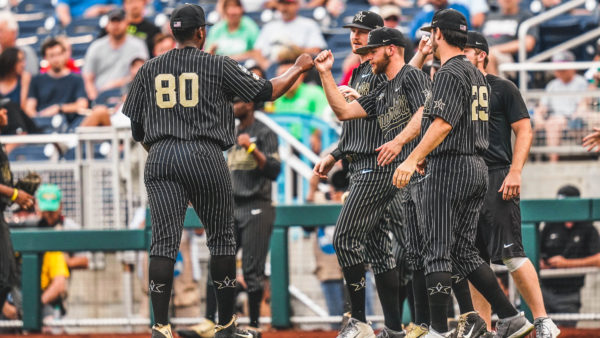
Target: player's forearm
[436,133]
[412,129]
[337,102]
[285,81]
[418,60]
[523,140]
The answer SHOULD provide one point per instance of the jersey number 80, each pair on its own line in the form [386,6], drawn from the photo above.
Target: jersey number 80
[166,93]
[480,103]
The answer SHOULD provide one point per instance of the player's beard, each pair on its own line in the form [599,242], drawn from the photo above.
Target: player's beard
[434,46]
[381,66]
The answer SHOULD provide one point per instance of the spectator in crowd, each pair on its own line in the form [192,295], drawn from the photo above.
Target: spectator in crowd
[9,31]
[301,98]
[66,10]
[162,44]
[567,245]
[71,64]
[107,60]
[58,91]
[50,207]
[19,123]
[424,17]
[291,29]
[478,9]
[556,113]
[235,35]
[14,81]
[138,25]
[391,18]
[501,31]
[399,3]
[592,141]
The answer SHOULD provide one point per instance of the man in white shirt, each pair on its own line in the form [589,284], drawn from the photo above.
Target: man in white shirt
[290,30]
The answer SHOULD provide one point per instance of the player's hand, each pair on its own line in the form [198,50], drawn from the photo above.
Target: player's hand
[421,166]
[592,141]
[24,200]
[244,140]
[425,46]
[324,61]
[511,187]
[388,152]
[350,94]
[558,262]
[305,62]
[404,172]
[323,167]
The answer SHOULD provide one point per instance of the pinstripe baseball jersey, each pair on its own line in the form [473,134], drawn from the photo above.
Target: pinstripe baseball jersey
[187,93]
[506,107]
[460,96]
[247,179]
[362,136]
[394,102]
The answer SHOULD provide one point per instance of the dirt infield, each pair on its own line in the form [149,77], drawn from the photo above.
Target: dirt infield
[566,333]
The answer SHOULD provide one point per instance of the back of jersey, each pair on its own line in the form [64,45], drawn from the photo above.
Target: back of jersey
[186,94]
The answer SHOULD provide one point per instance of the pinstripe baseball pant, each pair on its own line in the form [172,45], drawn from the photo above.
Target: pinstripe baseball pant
[412,209]
[178,172]
[360,236]
[254,224]
[453,196]
[395,216]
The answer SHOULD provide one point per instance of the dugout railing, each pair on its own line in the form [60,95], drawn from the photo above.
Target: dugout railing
[32,243]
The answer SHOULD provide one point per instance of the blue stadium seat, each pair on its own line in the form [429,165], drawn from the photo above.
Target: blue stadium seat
[29,152]
[34,6]
[83,26]
[80,44]
[559,30]
[33,26]
[51,124]
[109,98]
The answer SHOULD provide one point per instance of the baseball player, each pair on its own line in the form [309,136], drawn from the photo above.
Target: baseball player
[397,105]
[180,109]
[454,143]
[499,226]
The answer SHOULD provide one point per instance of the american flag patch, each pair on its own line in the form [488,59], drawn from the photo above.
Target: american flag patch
[177,24]
[463,27]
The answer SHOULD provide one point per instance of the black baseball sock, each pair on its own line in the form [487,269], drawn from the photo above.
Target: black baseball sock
[211,300]
[439,288]
[387,288]
[421,300]
[222,270]
[161,280]
[484,280]
[460,287]
[356,283]
[254,300]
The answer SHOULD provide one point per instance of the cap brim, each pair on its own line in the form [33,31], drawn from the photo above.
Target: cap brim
[427,28]
[367,48]
[355,25]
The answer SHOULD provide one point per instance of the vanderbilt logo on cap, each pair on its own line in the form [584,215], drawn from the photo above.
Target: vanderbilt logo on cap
[463,28]
[177,24]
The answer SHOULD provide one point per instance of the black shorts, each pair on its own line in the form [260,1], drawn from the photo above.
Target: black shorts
[499,225]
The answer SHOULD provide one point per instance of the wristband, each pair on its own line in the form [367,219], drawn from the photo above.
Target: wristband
[251,148]
[14,195]
[337,154]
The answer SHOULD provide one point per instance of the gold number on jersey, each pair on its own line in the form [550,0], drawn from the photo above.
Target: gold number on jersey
[162,91]
[480,104]
[170,91]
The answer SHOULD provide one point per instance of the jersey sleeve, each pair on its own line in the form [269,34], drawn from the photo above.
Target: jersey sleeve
[135,102]
[416,88]
[515,107]
[446,100]
[369,102]
[239,81]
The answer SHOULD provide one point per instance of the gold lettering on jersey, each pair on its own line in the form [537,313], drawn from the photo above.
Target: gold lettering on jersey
[396,115]
[364,88]
[183,100]
[428,102]
[163,91]
[239,159]
[480,105]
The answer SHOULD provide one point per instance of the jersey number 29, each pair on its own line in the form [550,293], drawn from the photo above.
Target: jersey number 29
[480,103]
[166,96]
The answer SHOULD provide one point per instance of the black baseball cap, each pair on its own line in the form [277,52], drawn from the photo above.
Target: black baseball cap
[116,15]
[188,16]
[448,19]
[366,20]
[383,36]
[477,40]
[568,191]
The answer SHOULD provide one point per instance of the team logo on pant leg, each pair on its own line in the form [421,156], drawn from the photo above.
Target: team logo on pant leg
[226,283]
[456,279]
[360,285]
[155,287]
[439,288]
